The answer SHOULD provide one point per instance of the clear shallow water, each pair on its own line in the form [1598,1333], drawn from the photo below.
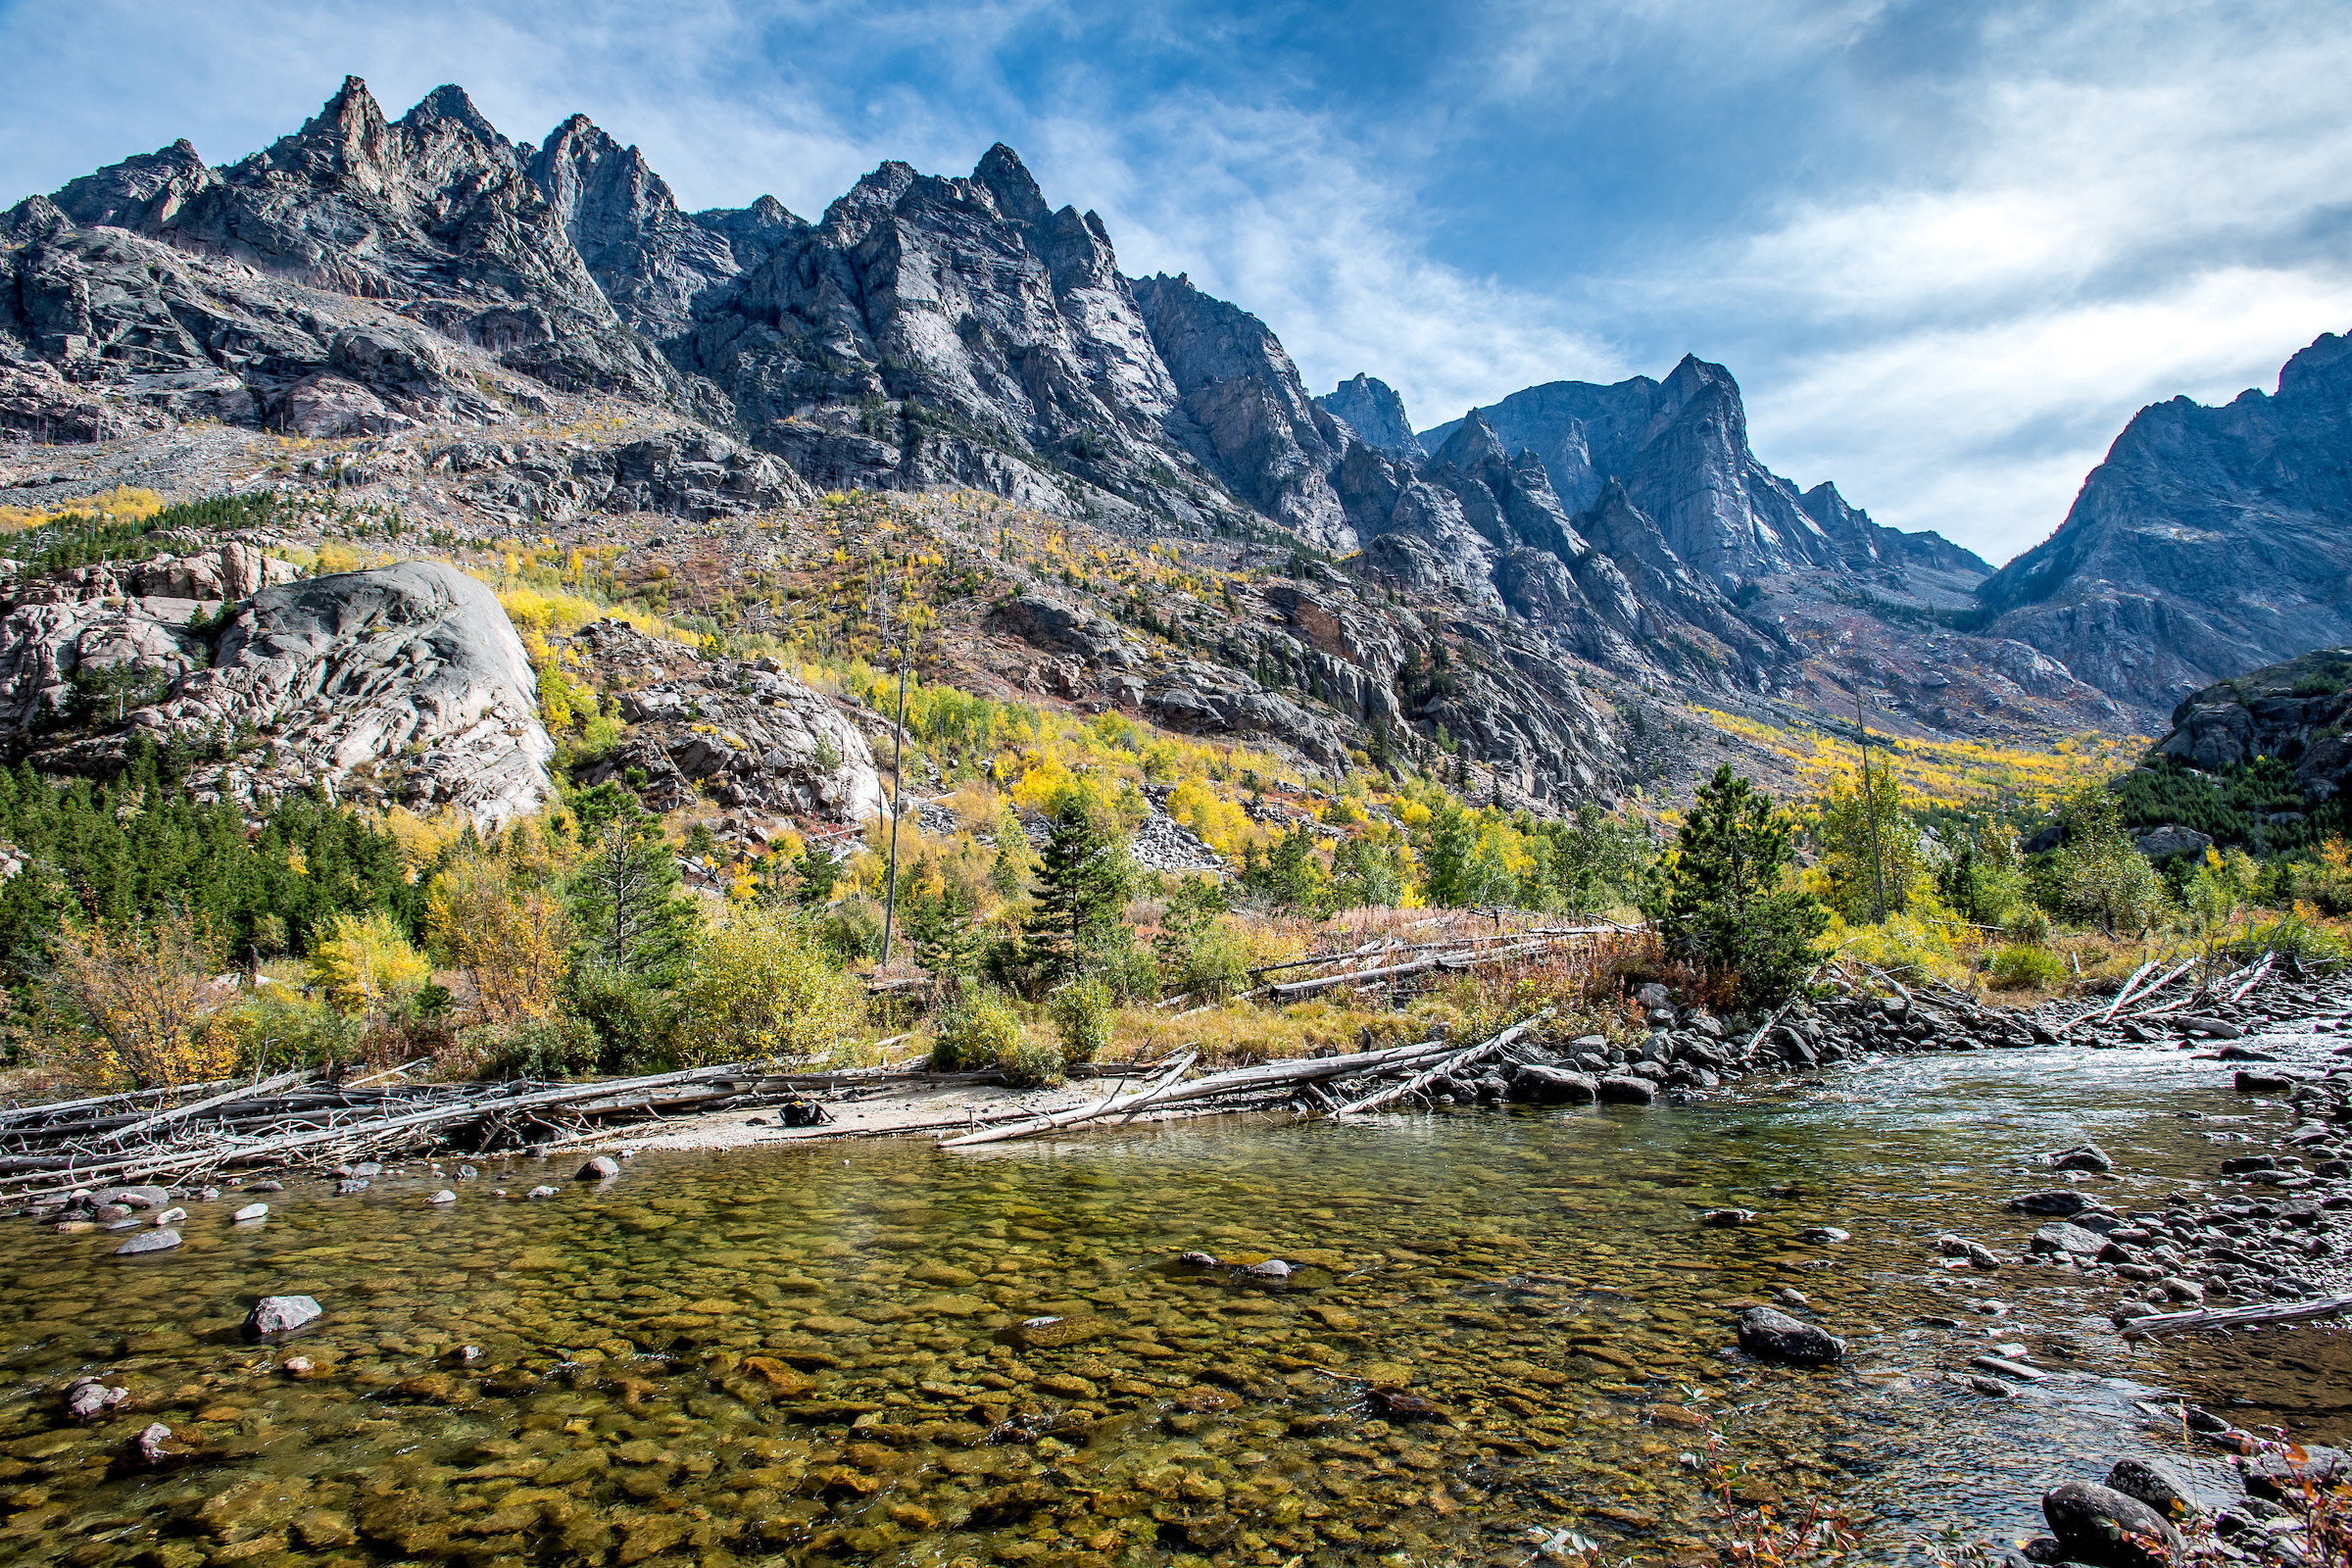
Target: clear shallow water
[814,1351]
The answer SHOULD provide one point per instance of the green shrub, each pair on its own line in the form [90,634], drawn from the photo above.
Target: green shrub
[536,1047]
[1082,1018]
[980,1029]
[756,986]
[2028,924]
[630,1021]
[2021,965]
[1028,1066]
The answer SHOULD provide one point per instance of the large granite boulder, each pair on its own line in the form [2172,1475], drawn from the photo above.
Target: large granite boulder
[410,667]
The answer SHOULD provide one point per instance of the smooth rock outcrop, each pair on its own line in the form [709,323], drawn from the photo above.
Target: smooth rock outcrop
[411,668]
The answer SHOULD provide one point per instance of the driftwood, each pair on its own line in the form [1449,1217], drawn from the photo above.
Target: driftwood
[1420,1081]
[2231,1317]
[1241,1080]
[1454,959]
[2255,978]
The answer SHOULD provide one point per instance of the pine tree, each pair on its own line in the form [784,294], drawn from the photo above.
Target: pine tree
[1082,882]
[625,902]
[1731,901]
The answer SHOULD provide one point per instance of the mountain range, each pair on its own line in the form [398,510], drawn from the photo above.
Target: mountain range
[364,277]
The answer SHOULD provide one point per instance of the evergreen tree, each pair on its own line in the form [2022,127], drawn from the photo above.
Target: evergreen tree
[940,914]
[1446,869]
[1730,901]
[1082,883]
[625,905]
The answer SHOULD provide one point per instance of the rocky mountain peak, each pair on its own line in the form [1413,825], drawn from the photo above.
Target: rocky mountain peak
[1005,178]
[647,257]
[2211,541]
[138,193]
[1371,407]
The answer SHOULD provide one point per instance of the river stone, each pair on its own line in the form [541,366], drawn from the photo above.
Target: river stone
[2063,1202]
[2264,1083]
[1777,1336]
[603,1167]
[540,1193]
[1727,1218]
[1824,1234]
[1052,1333]
[2278,1478]
[444,1196]
[169,1217]
[137,1196]
[1553,1085]
[2100,1525]
[1620,1089]
[280,1314]
[252,1211]
[2158,1483]
[2071,1241]
[157,1240]
[151,1444]
[2082,1157]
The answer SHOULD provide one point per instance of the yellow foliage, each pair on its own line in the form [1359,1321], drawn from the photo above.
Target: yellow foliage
[364,964]
[122,503]
[420,838]
[141,995]
[509,940]
[1943,773]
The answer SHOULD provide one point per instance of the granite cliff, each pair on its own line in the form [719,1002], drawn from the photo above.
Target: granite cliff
[2210,542]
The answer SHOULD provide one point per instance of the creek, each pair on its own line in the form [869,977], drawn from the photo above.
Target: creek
[818,1353]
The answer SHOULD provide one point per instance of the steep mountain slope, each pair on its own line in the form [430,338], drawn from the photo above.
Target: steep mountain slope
[2209,542]
[1372,409]
[1680,447]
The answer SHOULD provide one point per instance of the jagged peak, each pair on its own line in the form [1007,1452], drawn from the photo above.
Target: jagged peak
[1471,440]
[1005,176]
[448,104]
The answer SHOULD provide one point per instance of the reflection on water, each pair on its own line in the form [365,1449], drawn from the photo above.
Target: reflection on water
[818,1351]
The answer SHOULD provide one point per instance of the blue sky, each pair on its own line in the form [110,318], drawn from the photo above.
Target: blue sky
[1948,249]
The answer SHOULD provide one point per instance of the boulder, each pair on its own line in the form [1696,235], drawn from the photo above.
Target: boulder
[2171,839]
[1621,1090]
[603,1167]
[415,662]
[277,1315]
[2159,1483]
[2098,1524]
[1553,1085]
[1775,1336]
[2068,1241]
[2082,1157]
[2062,1202]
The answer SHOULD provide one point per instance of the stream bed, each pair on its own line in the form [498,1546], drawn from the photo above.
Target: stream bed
[1502,1324]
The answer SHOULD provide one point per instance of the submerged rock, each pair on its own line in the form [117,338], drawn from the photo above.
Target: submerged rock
[2062,1202]
[156,1240]
[251,1212]
[603,1167]
[1052,1333]
[1775,1336]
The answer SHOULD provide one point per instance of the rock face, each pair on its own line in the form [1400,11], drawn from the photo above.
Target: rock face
[2296,711]
[1680,448]
[1371,407]
[1245,415]
[748,734]
[2211,541]
[416,660]
[232,291]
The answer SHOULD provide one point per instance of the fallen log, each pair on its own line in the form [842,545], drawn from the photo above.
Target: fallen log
[1465,1057]
[2260,970]
[162,1118]
[1265,1075]
[2231,1317]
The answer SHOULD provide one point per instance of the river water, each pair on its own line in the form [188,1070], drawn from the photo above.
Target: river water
[817,1352]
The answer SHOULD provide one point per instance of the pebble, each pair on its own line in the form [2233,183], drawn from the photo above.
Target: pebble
[1727,1218]
[542,1191]
[171,1216]
[444,1196]
[1824,1234]
[251,1212]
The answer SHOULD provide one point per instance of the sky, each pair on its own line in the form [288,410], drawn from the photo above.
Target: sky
[1948,250]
